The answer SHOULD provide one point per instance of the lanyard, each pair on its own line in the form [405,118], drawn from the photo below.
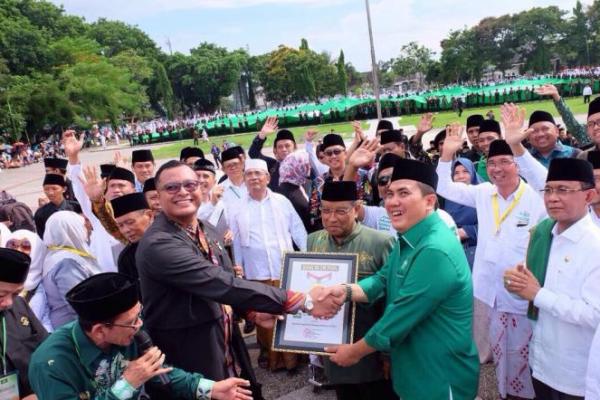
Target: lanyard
[72,250]
[498,219]
[235,192]
[4,339]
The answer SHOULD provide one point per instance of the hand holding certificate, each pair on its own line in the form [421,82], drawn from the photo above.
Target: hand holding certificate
[327,319]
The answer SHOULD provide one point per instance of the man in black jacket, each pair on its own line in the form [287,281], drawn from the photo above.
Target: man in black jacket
[283,145]
[21,331]
[186,278]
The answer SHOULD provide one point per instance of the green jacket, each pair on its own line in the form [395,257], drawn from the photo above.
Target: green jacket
[69,366]
[373,248]
[427,324]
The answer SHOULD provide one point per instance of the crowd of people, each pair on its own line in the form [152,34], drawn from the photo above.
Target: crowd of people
[131,281]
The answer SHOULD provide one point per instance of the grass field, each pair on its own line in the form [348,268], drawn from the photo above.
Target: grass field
[345,128]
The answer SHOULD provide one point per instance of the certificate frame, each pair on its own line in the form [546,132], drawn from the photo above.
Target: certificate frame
[293,263]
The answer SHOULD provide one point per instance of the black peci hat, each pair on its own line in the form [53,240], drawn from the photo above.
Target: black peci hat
[415,171]
[14,266]
[122,174]
[103,296]
[141,156]
[54,179]
[571,169]
[339,191]
[332,139]
[128,203]
[499,147]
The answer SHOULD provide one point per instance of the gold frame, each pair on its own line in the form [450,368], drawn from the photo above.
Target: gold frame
[352,311]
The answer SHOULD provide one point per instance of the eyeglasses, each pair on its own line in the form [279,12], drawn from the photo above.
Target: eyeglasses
[175,187]
[334,152]
[340,212]
[18,244]
[133,325]
[501,163]
[384,180]
[593,124]
[560,191]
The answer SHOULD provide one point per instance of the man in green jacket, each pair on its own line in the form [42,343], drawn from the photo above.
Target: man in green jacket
[342,234]
[426,282]
[95,356]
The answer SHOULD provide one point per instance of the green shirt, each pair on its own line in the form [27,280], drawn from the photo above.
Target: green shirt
[373,248]
[481,167]
[427,324]
[68,365]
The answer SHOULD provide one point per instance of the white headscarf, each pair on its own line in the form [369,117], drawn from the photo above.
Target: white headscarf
[67,237]
[38,254]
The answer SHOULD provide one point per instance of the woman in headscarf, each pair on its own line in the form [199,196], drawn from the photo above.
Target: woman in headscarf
[294,171]
[465,217]
[67,262]
[33,291]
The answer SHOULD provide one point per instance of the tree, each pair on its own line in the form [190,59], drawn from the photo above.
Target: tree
[304,44]
[117,36]
[342,75]
[413,60]
[575,45]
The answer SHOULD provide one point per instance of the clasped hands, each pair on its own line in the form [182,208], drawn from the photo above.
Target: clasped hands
[522,282]
[327,302]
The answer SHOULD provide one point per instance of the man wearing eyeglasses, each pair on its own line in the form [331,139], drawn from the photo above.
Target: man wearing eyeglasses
[95,357]
[560,281]
[186,278]
[343,234]
[543,137]
[20,331]
[507,208]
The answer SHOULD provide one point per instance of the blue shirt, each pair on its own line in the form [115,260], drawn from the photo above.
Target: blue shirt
[560,151]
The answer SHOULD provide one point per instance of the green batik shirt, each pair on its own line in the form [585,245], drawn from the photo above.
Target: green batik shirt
[428,319]
[373,248]
[69,366]
[579,131]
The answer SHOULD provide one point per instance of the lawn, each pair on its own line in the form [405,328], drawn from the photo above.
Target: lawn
[345,128]
[245,139]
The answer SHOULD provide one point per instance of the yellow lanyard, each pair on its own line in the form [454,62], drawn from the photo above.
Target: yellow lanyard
[498,219]
[4,339]
[72,250]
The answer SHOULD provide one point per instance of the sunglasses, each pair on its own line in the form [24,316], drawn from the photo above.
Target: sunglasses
[18,244]
[175,187]
[384,180]
[334,152]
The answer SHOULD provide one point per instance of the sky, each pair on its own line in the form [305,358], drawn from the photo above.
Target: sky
[329,25]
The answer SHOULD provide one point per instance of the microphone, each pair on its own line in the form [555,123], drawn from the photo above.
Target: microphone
[144,342]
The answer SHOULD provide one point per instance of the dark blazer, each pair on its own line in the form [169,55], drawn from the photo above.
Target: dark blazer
[255,151]
[181,288]
[24,334]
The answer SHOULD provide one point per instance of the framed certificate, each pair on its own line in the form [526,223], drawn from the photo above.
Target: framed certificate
[301,333]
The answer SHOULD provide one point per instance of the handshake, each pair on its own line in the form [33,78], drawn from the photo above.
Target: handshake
[326,301]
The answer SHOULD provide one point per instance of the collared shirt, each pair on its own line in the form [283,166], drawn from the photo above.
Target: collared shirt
[68,365]
[569,304]
[261,222]
[427,323]
[232,196]
[560,151]
[139,186]
[496,252]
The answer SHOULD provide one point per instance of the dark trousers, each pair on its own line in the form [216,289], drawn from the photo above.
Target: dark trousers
[380,390]
[586,99]
[545,392]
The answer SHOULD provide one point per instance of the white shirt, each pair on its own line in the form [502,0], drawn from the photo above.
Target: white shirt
[100,239]
[569,304]
[495,253]
[262,221]
[595,217]
[592,380]
[587,91]
[232,196]
[378,218]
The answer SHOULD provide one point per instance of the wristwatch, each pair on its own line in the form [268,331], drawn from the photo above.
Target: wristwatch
[348,292]
[308,303]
